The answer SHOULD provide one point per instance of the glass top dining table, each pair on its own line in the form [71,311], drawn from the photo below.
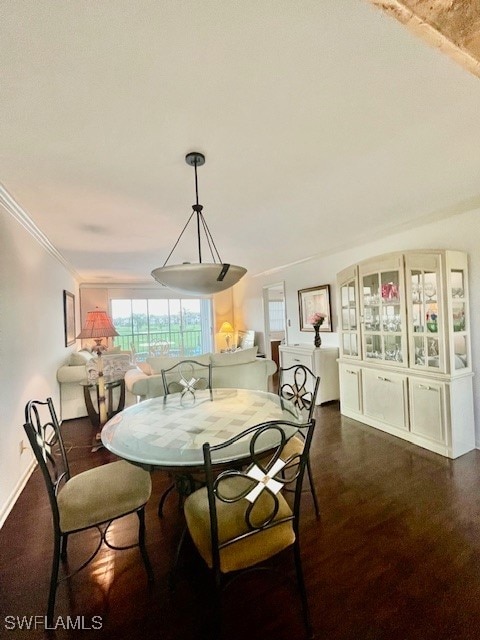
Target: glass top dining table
[168,432]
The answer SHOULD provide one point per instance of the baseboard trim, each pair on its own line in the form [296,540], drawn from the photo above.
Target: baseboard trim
[8,506]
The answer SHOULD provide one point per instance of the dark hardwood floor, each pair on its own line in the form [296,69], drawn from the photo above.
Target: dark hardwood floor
[394,556]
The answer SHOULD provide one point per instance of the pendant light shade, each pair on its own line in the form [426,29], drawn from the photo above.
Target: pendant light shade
[202,278]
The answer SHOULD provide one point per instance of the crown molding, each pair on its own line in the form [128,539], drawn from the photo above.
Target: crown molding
[12,207]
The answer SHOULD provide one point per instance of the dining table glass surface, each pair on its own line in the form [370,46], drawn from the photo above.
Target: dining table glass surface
[169,431]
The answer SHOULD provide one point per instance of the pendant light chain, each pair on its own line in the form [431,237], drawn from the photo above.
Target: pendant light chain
[201,223]
[203,278]
[198,209]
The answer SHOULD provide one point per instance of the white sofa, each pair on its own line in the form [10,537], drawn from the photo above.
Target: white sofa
[81,366]
[240,369]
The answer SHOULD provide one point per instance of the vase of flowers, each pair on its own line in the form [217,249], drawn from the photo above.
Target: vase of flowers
[316,320]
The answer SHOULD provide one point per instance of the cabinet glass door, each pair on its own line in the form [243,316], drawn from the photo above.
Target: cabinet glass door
[426,319]
[383,317]
[459,314]
[349,319]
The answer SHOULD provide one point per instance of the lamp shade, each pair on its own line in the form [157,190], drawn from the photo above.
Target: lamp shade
[226,328]
[98,325]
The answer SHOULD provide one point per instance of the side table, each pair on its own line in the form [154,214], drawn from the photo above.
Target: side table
[94,413]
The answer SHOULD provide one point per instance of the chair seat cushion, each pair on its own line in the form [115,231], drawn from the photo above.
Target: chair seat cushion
[244,553]
[293,447]
[102,494]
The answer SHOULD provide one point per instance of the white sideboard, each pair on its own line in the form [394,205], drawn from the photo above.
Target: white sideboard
[322,361]
[405,361]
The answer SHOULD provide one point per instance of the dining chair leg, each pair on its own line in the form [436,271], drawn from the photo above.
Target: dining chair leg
[63,551]
[217,607]
[172,578]
[54,577]
[302,590]
[141,544]
[312,489]
[163,499]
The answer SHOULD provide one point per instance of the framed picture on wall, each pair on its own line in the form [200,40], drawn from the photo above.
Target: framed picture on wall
[314,300]
[69,317]
[245,339]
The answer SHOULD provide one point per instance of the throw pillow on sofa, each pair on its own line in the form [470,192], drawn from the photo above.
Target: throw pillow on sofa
[80,357]
[235,357]
[114,366]
[165,362]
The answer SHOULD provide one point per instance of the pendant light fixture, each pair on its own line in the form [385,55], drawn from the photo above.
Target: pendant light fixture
[198,278]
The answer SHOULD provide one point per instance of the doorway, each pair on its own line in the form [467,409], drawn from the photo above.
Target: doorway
[275,319]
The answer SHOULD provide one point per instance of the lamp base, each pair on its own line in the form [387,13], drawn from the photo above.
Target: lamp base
[99,348]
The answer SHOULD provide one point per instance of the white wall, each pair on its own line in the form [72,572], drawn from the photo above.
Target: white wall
[32,347]
[461,232]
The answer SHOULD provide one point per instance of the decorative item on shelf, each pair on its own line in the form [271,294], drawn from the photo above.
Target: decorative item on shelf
[389,291]
[227,331]
[99,325]
[432,322]
[316,320]
[202,278]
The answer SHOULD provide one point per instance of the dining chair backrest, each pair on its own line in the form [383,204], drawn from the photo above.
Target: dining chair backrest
[43,432]
[186,377]
[299,385]
[259,485]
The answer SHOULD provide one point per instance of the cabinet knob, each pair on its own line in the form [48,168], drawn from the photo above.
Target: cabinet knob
[383,379]
[353,373]
[426,387]
[296,360]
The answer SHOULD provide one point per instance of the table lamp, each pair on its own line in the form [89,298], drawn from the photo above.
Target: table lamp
[99,325]
[227,330]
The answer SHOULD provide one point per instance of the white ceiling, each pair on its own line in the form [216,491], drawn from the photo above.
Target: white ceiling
[324,124]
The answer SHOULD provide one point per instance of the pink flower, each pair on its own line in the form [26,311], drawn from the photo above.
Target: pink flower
[317,318]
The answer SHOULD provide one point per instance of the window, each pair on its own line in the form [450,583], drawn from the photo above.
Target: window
[153,327]
[276,314]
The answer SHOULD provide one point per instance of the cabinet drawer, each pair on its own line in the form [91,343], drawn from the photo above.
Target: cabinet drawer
[385,397]
[427,401]
[292,359]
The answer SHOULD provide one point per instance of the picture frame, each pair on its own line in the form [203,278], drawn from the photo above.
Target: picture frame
[69,317]
[245,339]
[315,299]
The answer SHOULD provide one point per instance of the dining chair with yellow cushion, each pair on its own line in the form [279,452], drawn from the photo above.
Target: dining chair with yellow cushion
[91,499]
[241,518]
[299,385]
[184,377]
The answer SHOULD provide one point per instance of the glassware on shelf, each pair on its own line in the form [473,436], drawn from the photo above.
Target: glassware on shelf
[416,292]
[430,290]
[457,283]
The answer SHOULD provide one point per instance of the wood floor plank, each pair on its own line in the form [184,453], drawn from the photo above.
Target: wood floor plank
[394,556]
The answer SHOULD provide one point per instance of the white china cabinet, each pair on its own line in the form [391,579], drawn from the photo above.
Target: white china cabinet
[405,363]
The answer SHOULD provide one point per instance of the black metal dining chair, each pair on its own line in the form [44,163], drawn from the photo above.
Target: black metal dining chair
[299,385]
[184,377]
[93,498]
[241,518]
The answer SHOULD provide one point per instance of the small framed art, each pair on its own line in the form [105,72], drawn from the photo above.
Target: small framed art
[69,317]
[311,301]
